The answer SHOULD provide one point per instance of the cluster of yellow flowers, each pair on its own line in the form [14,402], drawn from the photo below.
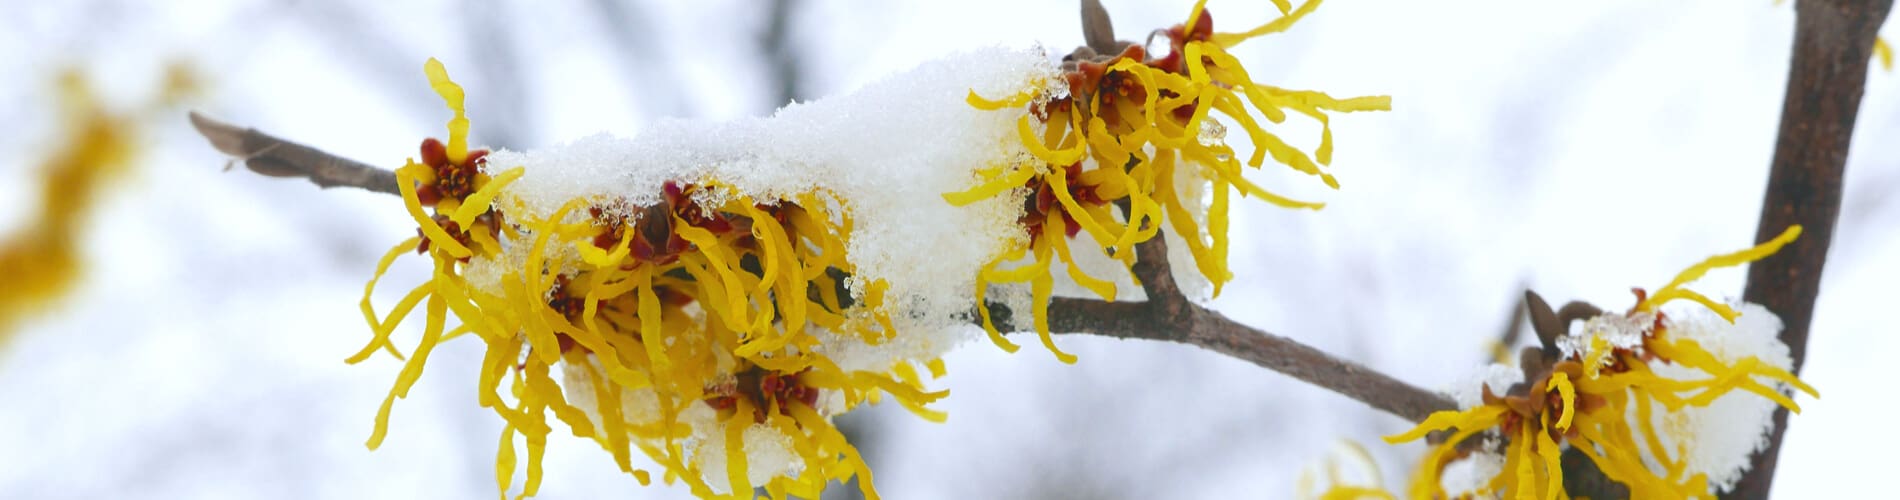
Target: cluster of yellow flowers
[1601,397]
[693,328]
[1121,131]
[685,319]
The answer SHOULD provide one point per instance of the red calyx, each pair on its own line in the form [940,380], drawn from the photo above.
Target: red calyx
[434,154]
[428,194]
[762,388]
[1043,204]
[1203,27]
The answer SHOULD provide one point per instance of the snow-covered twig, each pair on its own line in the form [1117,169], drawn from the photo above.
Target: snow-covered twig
[1167,316]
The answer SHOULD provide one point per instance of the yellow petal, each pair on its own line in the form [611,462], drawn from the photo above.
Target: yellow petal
[1696,271]
[1560,382]
[1274,26]
[1021,98]
[478,202]
[1058,158]
[452,96]
[405,184]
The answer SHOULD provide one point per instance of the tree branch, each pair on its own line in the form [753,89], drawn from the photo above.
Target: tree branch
[1170,316]
[1166,316]
[274,157]
[1833,40]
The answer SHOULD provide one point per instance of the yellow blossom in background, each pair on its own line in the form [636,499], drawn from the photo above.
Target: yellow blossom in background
[41,261]
[1605,395]
[1336,484]
[1137,130]
[687,329]
[1883,52]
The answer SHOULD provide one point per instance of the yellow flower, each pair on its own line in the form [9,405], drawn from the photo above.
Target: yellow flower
[1602,397]
[691,329]
[1136,131]
[1343,486]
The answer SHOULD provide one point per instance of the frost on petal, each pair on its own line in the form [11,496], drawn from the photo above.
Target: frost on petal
[1619,331]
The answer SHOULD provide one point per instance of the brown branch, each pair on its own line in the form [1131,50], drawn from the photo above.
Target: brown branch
[274,157]
[1168,315]
[1833,40]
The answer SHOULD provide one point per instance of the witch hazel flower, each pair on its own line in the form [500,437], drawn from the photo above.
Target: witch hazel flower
[1668,403]
[709,295]
[1121,144]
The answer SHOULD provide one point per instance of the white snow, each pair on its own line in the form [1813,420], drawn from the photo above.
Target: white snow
[1624,331]
[1466,475]
[1721,436]
[1469,393]
[886,153]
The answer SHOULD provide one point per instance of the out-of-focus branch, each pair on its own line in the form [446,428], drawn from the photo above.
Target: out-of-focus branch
[274,157]
[1167,315]
[642,58]
[346,28]
[511,126]
[1833,40]
[776,42]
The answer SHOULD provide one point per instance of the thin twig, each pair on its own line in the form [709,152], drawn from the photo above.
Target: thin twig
[1168,315]
[1833,40]
[274,157]
[505,98]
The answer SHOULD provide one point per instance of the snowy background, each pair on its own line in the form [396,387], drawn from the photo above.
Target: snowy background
[1578,148]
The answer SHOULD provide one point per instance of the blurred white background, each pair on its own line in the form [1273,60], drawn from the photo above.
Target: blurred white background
[1579,148]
